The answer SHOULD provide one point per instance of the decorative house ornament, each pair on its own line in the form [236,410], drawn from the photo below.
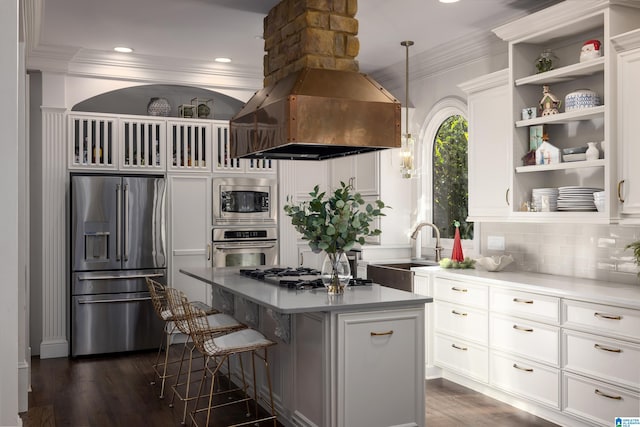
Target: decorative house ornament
[158,107]
[547,153]
[545,61]
[549,104]
[591,49]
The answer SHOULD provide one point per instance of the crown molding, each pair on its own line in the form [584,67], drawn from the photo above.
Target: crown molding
[464,50]
[92,63]
[626,41]
[495,79]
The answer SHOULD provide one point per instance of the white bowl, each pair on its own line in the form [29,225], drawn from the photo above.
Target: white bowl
[495,263]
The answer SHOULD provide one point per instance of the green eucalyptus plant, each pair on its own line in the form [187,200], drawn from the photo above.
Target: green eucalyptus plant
[636,252]
[335,222]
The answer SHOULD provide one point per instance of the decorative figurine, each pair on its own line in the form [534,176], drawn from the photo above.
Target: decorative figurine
[545,61]
[590,50]
[549,104]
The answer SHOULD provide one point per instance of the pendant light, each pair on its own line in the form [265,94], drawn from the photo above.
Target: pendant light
[408,142]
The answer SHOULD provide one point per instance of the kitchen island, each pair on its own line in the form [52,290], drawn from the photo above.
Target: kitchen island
[351,360]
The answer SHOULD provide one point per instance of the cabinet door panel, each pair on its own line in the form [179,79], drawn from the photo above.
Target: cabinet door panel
[369,343]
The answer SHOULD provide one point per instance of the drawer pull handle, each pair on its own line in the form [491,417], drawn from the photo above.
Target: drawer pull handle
[458,313]
[458,347]
[607,316]
[612,350]
[515,365]
[458,289]
[520,328]
[523,301]
[380,334]
[599,393]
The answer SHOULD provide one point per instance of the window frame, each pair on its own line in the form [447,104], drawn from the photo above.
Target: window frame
[441,111]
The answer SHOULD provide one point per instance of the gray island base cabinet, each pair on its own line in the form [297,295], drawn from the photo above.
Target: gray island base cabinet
[355,360]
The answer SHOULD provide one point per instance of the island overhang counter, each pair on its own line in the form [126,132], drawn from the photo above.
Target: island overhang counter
[351,360]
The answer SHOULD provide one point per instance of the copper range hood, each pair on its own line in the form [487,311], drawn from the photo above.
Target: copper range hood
[315,104]
[316,114]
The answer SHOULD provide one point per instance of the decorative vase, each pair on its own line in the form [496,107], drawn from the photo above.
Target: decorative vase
[592,152]
[336,272]
[545,61]
[158,107]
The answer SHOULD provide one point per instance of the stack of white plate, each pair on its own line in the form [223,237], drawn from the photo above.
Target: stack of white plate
[576,198]
[545,199]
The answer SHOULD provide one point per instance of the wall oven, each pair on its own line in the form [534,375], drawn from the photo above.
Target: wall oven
[240,200]
[244,246]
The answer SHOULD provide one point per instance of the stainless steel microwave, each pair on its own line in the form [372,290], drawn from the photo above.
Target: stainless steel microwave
[240,200]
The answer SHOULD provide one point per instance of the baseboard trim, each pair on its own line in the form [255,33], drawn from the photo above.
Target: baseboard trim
[54,348]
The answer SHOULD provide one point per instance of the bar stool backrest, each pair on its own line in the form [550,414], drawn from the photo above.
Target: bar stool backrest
[177,300]
[159,298]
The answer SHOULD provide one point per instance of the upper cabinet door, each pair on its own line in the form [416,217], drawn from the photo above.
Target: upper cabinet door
[489,146]
[628,188]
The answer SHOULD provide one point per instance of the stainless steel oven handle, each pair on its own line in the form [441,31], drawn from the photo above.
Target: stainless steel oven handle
[106,301]
[130,276]
[229,248]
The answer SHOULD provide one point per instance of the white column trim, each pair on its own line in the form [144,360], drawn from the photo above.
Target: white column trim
[54,234]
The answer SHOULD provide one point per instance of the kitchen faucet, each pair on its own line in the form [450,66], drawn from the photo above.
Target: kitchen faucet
[414,235]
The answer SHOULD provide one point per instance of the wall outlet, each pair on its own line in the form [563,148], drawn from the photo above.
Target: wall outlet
[495,243]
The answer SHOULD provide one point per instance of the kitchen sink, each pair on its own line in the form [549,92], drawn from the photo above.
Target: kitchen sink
[396,275]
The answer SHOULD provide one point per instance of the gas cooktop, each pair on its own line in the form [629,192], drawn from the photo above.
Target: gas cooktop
[294,278]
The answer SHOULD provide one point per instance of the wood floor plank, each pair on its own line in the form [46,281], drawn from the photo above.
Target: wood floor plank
[115,390]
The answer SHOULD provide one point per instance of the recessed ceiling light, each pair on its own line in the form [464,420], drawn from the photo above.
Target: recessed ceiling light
[222,59]
[449,1]
[123,49]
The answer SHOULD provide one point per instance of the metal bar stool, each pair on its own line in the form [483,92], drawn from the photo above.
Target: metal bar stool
[219,323]
[157,291]
[219,348]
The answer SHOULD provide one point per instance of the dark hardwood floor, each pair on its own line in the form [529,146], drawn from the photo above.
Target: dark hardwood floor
[115,390]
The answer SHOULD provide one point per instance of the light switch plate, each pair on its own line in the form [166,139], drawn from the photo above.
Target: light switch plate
[495,243]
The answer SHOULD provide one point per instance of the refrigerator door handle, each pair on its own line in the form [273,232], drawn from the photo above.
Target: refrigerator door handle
[118,223]
[108,301]
[126,222]
[130,276]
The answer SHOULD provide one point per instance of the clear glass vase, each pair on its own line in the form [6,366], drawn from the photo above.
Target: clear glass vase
[336,272]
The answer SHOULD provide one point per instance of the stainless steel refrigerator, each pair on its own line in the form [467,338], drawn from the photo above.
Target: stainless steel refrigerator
[118,229]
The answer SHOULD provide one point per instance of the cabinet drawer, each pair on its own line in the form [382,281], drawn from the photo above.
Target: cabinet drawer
[598,402]
[621,322]
[529,339]
[462,357]
[525,304]
[529,379]
[462,292]
[462,322]
[604,358]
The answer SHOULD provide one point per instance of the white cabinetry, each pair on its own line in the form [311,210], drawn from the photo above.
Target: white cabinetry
[359,171]
[525,353]
[563,28]
[461,327]
[369,342]
[601,361]
[189,146]
[571,360]
[489,146]
[628,189]
[189,244]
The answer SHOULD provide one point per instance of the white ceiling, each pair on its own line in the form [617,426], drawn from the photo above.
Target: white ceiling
[196,31]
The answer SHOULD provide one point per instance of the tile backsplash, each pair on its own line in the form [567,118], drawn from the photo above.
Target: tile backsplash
[589,251]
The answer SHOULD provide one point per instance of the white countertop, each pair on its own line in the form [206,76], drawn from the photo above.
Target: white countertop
[355,298]
[597,291]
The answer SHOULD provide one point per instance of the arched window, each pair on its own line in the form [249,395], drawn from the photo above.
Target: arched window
[444,187]
[449,177]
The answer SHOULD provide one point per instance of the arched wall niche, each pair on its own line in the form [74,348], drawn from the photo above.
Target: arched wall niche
[133,100]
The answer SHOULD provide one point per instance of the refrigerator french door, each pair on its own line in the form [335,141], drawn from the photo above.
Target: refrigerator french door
[118,229]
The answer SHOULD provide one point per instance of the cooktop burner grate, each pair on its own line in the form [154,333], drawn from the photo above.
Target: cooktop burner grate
[294,278]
